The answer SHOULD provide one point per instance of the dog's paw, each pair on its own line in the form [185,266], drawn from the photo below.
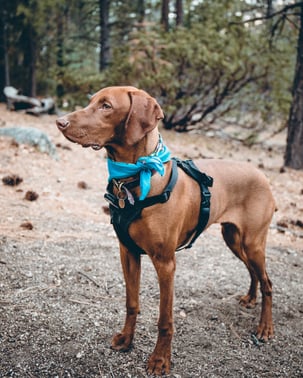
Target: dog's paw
[265,331]
[158,365]
[122,342]
[248,301]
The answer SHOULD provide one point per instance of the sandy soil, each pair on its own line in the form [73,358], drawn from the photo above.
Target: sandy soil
[61,286]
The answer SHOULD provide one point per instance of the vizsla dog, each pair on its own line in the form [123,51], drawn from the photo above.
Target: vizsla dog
[157,206]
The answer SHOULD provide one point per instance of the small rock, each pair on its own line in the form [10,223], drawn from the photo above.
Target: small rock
[182,314]
[80,354]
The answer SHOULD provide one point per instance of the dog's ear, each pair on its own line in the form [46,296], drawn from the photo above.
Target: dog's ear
[143,116]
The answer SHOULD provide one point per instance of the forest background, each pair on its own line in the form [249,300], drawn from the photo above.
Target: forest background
[206,62]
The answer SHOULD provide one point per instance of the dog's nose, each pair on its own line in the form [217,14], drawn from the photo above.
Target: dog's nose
[62,123]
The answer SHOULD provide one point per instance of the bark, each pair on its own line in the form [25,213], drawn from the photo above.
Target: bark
[4,69]
[33,64]
[164,14]
[294,149]
[141,11]
[179,12]
[28,47]
[60,55]
[104,35]
[269,8]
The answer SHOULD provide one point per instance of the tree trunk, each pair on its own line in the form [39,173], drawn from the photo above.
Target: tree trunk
[32,64]
[2,51]
[60,56]
[269,9]
[164,14]
[29,61]
[294,149]
[141,11]
[4,67]
[179,12]
[104,35]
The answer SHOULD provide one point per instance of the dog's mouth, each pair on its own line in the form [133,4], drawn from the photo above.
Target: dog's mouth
[94,146]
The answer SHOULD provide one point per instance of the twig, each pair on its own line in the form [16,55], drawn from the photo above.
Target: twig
[106,288]
[282,11]
[5,303]
[233,331]
[111,372]
[89,278]
[286,229]
[247,315]
[100,371]
[79,302]
[30,288]
[230,297]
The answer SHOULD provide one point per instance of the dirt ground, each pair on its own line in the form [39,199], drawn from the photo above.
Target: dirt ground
[61,286]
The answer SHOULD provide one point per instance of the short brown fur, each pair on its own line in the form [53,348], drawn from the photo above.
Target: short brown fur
[124,121]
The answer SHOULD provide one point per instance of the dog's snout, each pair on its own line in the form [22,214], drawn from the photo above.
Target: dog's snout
[62,123]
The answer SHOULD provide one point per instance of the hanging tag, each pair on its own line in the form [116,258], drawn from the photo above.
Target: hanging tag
[130,197]
[121,203]
[121,195]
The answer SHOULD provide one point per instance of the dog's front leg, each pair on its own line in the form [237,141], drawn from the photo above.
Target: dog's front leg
[159,361]
[131,264]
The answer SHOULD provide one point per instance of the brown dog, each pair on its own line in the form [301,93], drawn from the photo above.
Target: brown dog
[124,121]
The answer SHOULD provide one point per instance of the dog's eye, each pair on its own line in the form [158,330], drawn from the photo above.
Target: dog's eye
[105,106]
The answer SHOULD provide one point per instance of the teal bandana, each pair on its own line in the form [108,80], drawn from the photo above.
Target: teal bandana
[144,165]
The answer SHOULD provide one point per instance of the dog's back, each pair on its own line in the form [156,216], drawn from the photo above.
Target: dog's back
[243,189]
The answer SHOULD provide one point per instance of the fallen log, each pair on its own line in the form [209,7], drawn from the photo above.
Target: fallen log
[47,107]
[16,101]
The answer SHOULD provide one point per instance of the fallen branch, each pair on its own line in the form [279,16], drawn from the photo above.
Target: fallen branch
[286,229]
[89,278]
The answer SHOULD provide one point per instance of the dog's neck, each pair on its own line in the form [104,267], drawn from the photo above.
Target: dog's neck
[142,161]
[130,154]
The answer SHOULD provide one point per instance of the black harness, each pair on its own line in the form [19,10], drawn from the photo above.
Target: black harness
[121,218]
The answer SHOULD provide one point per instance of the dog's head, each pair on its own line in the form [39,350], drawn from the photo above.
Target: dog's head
[121,115]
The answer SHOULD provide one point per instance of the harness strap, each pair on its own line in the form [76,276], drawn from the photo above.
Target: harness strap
[121,225]
[205,182]
[122,218]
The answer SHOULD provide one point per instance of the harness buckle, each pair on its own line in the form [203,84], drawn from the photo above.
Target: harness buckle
[165,196]
[206,197]
[111,199]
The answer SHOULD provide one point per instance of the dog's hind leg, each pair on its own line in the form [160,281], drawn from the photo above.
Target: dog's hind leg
[233,239]
[131,264]
[251,250]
